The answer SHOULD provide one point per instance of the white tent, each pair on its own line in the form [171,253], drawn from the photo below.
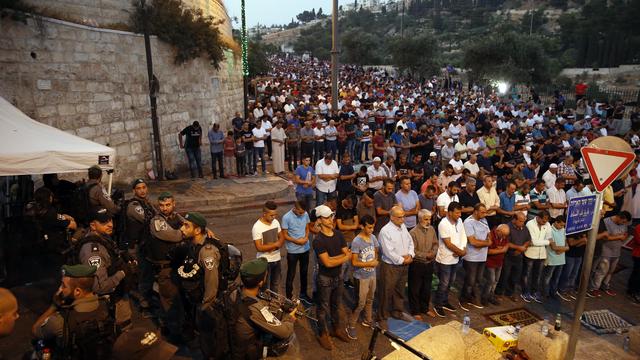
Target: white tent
[29,147]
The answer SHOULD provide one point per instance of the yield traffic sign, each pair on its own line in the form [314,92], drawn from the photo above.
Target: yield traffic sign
[605,166]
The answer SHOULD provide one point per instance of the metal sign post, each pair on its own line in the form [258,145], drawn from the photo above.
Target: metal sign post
[584,279]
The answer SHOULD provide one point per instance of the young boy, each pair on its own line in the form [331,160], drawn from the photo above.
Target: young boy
[229,148]
[240,157]
[555,257]
[364,258]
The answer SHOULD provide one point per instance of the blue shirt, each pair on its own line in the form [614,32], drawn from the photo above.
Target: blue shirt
[571,193]
[559,237]
[296,228]
[528,173]
[397,138]
[366,251]
[479,230]
[305,174]
[507,203]
[408,202]
[213,137]
[295,122]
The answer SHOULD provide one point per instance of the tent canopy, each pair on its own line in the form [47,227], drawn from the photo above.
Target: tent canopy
[30,147]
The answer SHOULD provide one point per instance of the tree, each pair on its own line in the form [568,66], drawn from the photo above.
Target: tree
[509,56]
[360,48]
[257,59]
[417,55]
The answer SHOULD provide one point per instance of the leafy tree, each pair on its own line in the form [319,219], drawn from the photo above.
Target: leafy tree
[257,59]
[189,31]
[416,55]
[319,14]
[360,48]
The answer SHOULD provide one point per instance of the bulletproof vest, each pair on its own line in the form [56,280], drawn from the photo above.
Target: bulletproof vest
[247,344]
[191,274]
[88,335]
[138,233]
[156,249]
[95,240]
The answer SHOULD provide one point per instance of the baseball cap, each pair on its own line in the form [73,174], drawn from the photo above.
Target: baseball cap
[324,211]
[142,344]
[101,215]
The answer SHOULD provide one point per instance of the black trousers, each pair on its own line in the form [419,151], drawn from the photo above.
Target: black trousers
[216,158]
[511,275]
[391,289]
[306,149]
[633,287]
[292,261]
[292,157]
[420,277]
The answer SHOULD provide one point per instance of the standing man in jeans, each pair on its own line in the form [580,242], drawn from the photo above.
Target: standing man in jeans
[397,253]
[425,245]
[535,256]
[305,179]
[260,134]
[617,232]
[452,245]
[296,234]
[477,230]
[327,172]
[268,239]
[518,241]
[332,252]
[571,269]
[216,138]
[191,146]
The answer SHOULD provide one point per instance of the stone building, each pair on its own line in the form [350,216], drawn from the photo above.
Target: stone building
[92,82]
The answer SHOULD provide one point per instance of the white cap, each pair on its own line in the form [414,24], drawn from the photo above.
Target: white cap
[450,141]
[324,211]
[553,166]
[377,159]
[527,148]
[433,154]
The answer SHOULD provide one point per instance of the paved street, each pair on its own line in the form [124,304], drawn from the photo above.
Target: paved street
[236,230]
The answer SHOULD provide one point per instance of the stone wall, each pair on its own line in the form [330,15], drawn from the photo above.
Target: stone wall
[93,83]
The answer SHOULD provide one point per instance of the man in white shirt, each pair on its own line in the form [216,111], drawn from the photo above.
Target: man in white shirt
[557,199]
[268,238]
[376,174]
[489,197]
[452,246]
[472,165]
[327,177]
[534,257]
[260,135]
[447,197]
[550,176]
[461,147]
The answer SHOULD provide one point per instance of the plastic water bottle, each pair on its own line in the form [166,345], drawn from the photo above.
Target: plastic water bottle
[625,344]
[466,324]
[517,332]
[558,325]
[544,329]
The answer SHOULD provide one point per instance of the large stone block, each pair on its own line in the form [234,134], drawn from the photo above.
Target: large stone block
[66,109]
[540,347]
[46,111]
[447,342]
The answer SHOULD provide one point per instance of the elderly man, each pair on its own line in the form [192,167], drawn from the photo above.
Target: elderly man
[495,259]
[397,253]
[451,246]
[425,244]
[550,176]
[376,174]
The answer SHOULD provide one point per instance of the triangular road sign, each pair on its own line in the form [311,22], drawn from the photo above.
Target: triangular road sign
[605,166]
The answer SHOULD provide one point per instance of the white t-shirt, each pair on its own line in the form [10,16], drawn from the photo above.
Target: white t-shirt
[372,172]
[319,132]
[457,236]
[258,133]
[268,233]
[462,149]
[474,169]
[444,200]
[323,169]
[557,197]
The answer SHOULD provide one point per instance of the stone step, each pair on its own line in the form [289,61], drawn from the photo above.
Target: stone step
[239,208]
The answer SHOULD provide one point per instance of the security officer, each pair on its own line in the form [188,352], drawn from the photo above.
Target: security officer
[115,271]
[162,252]
[98,195]
[199,282]
[256,327]
[139,213]
[78,324]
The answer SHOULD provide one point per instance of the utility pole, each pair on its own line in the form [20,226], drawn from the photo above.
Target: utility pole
[402,22]
[531,22]
[245,63]
[154,87]
[334,57]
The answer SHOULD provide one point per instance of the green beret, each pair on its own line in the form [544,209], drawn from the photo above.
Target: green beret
[78,271]
[96,167]
[197,219]
[254,267]
[165,195]
[136,182]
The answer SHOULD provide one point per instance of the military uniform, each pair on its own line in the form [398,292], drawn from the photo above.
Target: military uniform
[100,198]
[83,329]
[138,215]
[256,326]
[161,252]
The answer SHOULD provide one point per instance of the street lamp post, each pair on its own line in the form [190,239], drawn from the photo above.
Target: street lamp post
[153,92]
[334,56]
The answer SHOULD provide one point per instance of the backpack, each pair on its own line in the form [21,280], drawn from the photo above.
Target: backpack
[121,232]
[89,335]
[80,204]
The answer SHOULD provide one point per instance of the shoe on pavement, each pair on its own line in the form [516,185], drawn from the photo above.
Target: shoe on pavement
[368,324]
[439,311]
[494,300]
[591,293]
[526,297]
[476,303]
[325,341]
[447,306]
[351,333]
[563,296]
[538,298]
[610,292]
[341,334]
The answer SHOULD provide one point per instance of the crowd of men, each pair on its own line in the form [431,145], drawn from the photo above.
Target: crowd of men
[456,183]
